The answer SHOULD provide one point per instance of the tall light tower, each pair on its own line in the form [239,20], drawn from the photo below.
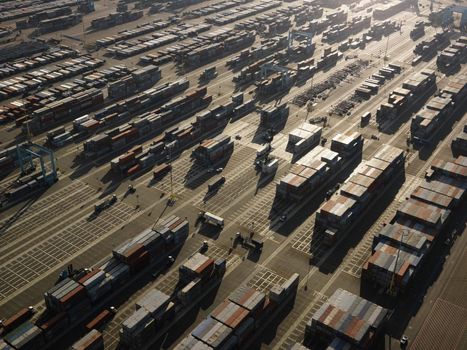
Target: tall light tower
[172,196]
[392,286]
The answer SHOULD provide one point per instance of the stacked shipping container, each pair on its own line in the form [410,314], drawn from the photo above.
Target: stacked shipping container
[400,248]
[232,324]
[438,110]
[368,181]
[349,318]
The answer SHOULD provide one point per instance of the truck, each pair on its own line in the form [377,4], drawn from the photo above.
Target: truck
[365,119]
[208,74]
[212,219]
[161,170]
[265,150]
[216,184]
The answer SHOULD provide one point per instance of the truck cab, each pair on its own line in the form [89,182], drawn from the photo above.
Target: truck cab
[208,74]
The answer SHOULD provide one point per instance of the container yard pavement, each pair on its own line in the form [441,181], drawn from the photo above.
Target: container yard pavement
[54,229]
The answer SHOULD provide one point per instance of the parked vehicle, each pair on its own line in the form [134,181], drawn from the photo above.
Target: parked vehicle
[211,219]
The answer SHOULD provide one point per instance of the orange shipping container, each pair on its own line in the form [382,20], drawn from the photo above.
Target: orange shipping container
[135,251]
[126,158]
[50,323]
[88,276]
[137,149]
[99,320]
[134,169]
[118,137]
[15,320]
[131,133]
[76,294]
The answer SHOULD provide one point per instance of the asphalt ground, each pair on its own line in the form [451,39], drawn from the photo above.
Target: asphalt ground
[52,231]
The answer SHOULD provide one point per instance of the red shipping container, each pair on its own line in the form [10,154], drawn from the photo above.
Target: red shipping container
[133,132]
[161,169]
[50,323]
[15,320]
[207,99]
[134,169]
[88,276]
[126,158]
[135,251]
[118,137]
[140,262]
[136,150]
[202,91]
[99,320]
[75,295]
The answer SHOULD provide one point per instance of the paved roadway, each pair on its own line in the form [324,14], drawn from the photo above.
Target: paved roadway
[53,231]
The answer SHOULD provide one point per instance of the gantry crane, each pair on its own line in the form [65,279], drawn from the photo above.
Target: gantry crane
[267,67]
[293,34]
[29,151]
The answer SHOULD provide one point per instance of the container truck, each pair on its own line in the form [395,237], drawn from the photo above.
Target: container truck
[212,219]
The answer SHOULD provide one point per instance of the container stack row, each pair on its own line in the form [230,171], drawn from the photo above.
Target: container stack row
[304,138]
[210,50]
[346,321]
[46,76]
[210,9]
[402,99]
[339,32]
[41,59]
[173,140]
[241,12]
[235,322]
[211,151]
[400,248]
[13,10]
[371,179]
[273,22]
[274,115]
[131,33]
[428,48]
[459,143]
[57,23]
[371,85]
[18,110]
[115,18]
[138,80]
[451,57]
[152,310]
[164,145]
[74,298]
[55,112]
[309,173]
[36,19]
[318,25]
[156,310]
[254,55]
[384,11]
[161,38]
[438,111]
[118,137]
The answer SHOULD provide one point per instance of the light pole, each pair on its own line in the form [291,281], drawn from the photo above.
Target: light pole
[392,288]
[172,195]
[386,51]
